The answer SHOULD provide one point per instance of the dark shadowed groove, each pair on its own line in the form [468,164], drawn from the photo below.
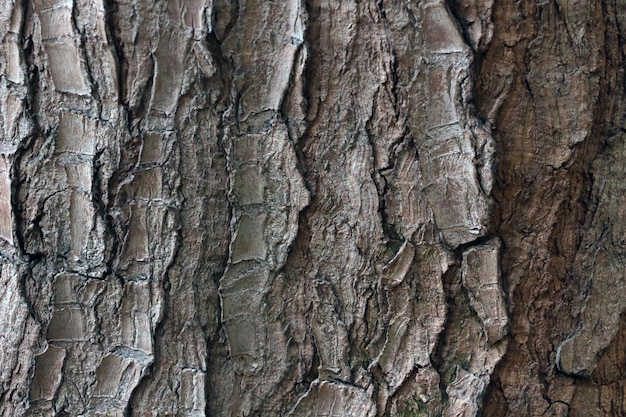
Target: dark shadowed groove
[452,6]
[31,107]
[438,355]
[111,17]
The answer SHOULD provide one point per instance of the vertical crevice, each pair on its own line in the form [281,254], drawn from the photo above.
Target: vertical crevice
[111,17]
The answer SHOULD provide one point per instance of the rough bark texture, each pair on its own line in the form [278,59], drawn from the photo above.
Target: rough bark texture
[312,208]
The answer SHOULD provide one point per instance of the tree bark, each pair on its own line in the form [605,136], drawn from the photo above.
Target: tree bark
[312,208]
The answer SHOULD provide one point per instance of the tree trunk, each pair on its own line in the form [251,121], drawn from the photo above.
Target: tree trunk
[312,208]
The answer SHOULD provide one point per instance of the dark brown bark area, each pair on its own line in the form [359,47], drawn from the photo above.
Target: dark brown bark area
[312,208]
[550,88]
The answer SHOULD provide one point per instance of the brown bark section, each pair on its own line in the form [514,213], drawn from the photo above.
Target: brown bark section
[550,88]
[311,208]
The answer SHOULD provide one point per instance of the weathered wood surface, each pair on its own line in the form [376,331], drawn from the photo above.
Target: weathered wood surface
[312,208]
